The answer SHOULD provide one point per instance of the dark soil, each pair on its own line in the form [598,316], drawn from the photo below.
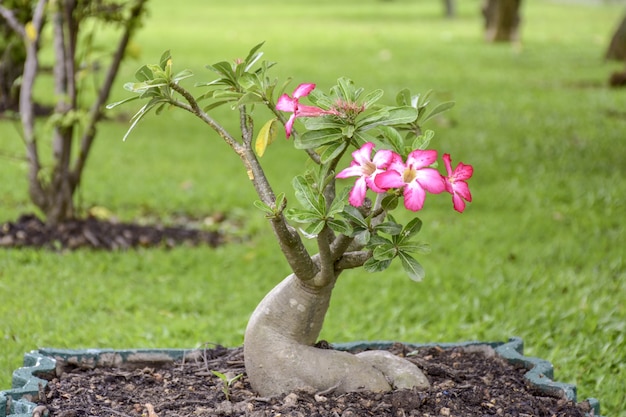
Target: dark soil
[30,231]
[464,384]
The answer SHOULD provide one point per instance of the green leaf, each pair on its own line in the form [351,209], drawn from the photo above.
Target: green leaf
[423,140]
[363,137]
[314,229]
[307,197]
[226,71]
[316,138]
[319,99]
[376,240]
[440,108]
[388,116]
[353,215]
[144,74]
[119,103]
[394,138]
[414,270]
[412,228]
[182,75]
[165,58]
[372,97]
[374,265]
[415,247]
[390,228]
[384,252]
[215,104]
[403,98]
[249,98]
[362,237]
[390,202]
[346,86]
[302,215]
[340,226]
[332,151]
[339,203]
[263,207]
[319,123]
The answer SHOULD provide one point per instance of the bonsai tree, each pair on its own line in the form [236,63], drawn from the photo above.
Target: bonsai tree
[390,163]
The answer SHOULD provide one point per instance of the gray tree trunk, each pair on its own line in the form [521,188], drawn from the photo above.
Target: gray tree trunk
[450,8]
[502,20]
[617,47]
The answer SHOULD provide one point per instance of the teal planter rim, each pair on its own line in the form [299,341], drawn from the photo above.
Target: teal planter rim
[19,400]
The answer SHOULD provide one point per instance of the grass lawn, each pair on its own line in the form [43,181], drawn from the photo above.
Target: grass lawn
[539,254]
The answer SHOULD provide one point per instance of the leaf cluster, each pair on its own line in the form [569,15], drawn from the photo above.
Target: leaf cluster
[349,118]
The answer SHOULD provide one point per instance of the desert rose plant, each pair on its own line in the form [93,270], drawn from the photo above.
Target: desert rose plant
[379,152]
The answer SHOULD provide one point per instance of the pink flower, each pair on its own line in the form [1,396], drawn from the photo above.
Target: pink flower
[455,183]
[286,103]
[415,177]
[367,168]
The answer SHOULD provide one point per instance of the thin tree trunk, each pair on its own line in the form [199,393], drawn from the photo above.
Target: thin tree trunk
[450,8]
[502,20]
[617,48]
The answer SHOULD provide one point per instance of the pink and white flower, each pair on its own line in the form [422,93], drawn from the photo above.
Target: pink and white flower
[415,177]
[455,183]
[367,169]
[292,104]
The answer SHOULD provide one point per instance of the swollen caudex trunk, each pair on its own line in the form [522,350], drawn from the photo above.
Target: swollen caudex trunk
[280,356]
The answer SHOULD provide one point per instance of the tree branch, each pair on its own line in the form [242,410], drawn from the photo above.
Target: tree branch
[96,111]
[195,109]
[26,105]
[289,240]
[351,260]
[12,21]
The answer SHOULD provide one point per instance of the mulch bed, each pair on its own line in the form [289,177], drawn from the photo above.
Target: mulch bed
[464,384]
[30,231]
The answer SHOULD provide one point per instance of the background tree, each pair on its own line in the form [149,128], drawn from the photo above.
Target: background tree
[502,20]
[12,54]
[74,120]
[617,46]
[617,51]
[449,8]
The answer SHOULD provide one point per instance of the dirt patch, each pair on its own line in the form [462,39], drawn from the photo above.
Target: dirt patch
[30,231]
[464,384]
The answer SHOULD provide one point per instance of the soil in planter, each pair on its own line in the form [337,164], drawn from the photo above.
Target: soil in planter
[464,384]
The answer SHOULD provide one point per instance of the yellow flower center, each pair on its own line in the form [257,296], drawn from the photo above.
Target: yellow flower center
[409,175]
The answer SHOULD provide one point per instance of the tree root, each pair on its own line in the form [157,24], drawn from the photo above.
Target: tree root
[280,356]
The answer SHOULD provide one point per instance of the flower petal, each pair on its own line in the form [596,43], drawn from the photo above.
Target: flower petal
[289,125]
[414,196]
[286,103]
[303,90]
[383,158]
[430,180]
[354,170]
[309,111]
[461,188]
[421,158]
[463,172]
[448,163]
[357,193]
[363,155]
[459,204]
[389,179]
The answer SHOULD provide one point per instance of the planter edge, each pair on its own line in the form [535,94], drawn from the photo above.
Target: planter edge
[26,384]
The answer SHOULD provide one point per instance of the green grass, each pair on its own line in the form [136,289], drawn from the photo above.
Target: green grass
[539,253]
